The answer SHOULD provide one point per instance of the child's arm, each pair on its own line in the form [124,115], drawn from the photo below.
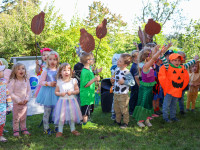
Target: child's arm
[97,78]
[58,93]
[28,92]
[153,59]
[129,80]
[192,62]
[37,69]
[43,81]
[14,97]
[76,88]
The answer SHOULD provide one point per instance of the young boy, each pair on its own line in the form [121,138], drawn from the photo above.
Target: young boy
[123,79]
[173,79]
[87,88]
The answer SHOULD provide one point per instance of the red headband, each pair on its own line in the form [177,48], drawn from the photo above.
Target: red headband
[45,49]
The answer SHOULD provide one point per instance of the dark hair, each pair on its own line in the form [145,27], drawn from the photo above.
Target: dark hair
[127,58]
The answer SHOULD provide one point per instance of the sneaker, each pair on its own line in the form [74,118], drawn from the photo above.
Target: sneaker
[56,130]
[187,110]
[154,115]
[16,133]
[148,123]
[140,124]
[75,133]
[175,119]
[3,139]
[192,110]
[182,112]
[59,134]
[159,111]
[25,132]
[167,120]
[113,117]
[119,123]
[89,125]
[124,126]
[48,131]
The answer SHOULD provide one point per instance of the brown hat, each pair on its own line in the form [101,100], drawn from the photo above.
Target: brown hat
[175,56]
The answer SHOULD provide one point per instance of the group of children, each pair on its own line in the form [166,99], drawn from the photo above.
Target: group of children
[70,100]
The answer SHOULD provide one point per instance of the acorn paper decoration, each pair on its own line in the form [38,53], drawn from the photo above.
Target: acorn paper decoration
[86,41]
[37,24]
[152,27]
[101,29]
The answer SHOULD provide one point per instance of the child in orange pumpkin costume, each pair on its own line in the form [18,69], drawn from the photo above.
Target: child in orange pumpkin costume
[173,80]
[193,87]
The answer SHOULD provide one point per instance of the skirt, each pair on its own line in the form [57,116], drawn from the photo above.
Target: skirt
[144,106]
[67,111]
[46,96]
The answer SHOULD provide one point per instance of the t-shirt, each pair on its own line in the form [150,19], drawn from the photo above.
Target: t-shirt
[87,94]
[134,71]
[120,89]
[78,68]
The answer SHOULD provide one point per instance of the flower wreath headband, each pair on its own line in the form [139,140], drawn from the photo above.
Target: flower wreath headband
[45,49]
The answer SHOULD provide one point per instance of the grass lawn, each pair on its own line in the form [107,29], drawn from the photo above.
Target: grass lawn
[182,135]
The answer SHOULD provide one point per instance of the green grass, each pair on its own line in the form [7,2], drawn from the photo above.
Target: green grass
[183,135]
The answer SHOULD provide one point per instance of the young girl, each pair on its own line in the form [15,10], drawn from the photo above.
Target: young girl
[46,95]
[193,87]
[19,88]
[39,67]
[5,102]
[144,110]
[67,108]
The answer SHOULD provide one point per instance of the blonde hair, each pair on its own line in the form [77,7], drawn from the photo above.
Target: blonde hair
[62,66]
[14,71]
[57,56]
[144,53]
[85,57]
[127,58]
[134,54]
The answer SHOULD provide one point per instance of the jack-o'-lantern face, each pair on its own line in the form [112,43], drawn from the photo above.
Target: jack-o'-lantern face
[178,77]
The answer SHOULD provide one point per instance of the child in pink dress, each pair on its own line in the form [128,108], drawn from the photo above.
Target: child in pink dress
[19,88]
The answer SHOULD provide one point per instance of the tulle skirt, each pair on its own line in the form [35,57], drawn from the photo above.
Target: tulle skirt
[67,110]
[46,96]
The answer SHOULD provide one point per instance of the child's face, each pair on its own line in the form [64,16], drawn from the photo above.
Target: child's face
[44,56]
[194,68]
[91,60]
[20,73]
[120,63]
[53,61]
[65,72]
[1,74]
[176,62]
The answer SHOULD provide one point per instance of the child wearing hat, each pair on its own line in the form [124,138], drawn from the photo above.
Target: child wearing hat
[173,79]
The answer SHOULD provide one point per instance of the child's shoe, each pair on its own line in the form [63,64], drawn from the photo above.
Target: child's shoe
[75,133]
[25,132]
[160,112]
[16,133]
[113,117]
[119,123]
[124,126]
[3,139]
[140,124]
[175,119]
[89,125]
[148,123]
[167,120]
[48,131]
[59,134]
[187,110]
[56,130]
[154,115]
[192,110]
[182,112]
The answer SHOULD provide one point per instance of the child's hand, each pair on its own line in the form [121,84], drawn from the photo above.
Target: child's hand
[69,93]
[20,103]
[121,81]
[99,70]
[53,84]
[97,78]
[196,57]
[165,48]
[63,94]
[25,102]
[37,62]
